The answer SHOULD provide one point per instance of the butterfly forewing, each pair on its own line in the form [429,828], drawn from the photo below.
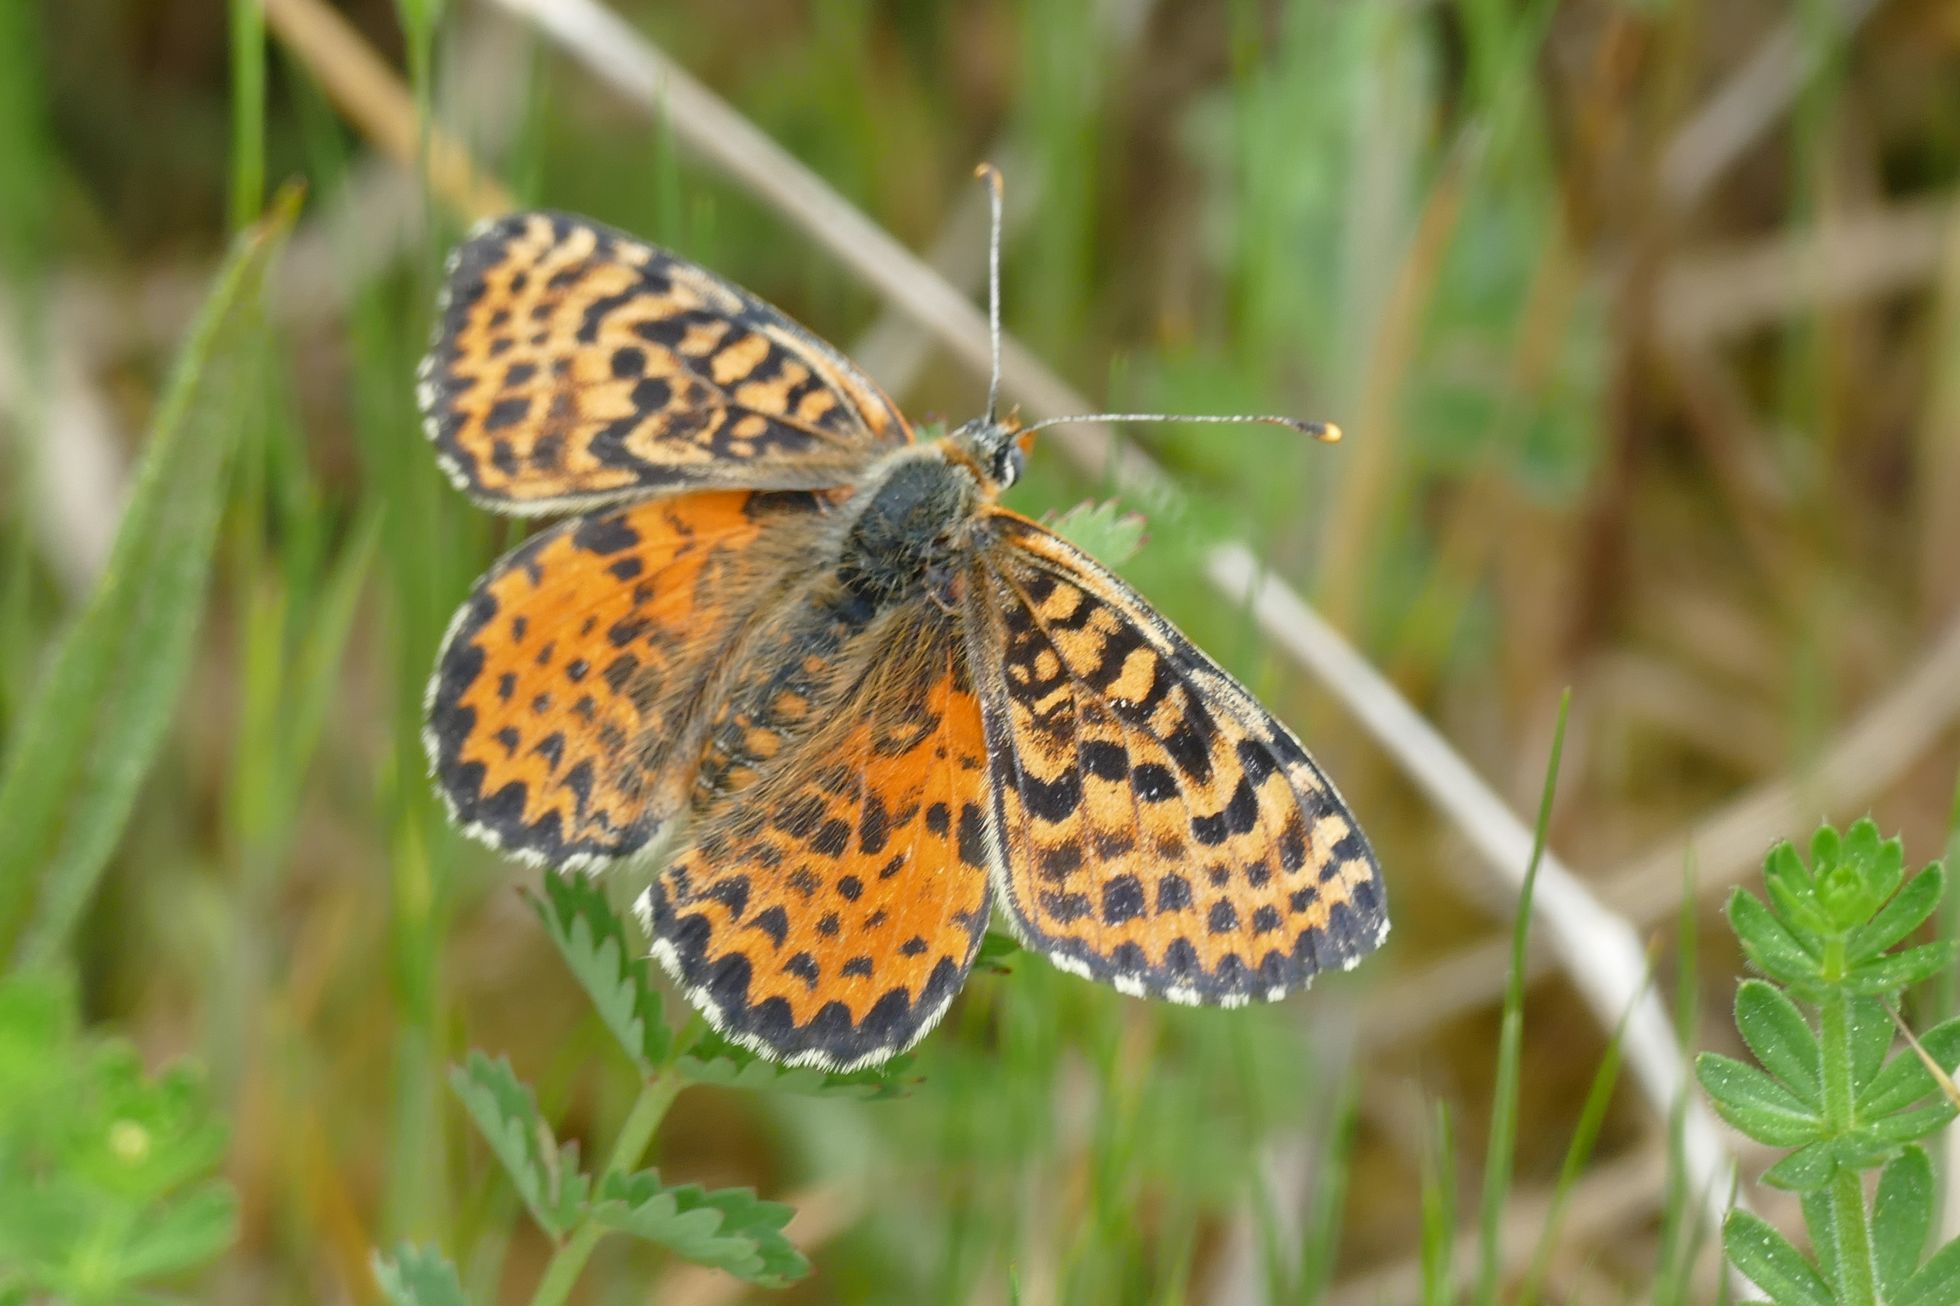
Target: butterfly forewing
[574,365]
[829,911]
[1161,831]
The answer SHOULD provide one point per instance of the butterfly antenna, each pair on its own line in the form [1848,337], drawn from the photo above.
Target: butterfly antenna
[988,173]
[1325,432]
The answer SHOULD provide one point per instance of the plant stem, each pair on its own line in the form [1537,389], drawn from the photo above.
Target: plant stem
[568,1262]
[1856,1275]
[656,1095]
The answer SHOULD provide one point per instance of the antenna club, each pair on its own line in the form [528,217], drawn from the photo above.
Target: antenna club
[1325,432]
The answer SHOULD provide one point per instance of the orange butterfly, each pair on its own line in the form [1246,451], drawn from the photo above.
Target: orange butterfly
[864,705]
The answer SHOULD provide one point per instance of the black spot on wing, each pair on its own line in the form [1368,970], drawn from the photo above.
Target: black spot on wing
[605,534]
[1122,899]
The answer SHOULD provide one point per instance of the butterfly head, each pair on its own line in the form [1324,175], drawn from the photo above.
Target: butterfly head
[993,448]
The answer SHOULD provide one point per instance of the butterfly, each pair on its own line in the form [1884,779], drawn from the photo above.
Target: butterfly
[857,705]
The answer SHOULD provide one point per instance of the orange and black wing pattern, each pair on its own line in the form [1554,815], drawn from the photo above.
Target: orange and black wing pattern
[574,365]
[562,719]
[1161,831]
[828,912]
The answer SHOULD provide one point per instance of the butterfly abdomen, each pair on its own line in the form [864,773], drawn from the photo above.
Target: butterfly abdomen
[897,552]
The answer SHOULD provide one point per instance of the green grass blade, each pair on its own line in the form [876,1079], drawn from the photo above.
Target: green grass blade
[1321,1242]
[1439,1213]
[28,168]
[87,739]
[29,180]
[247,111]
[1578,1153]
[1498,1155]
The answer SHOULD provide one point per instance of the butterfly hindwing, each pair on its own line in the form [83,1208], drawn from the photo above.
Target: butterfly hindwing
[1161,831]
[827,913]
[562,712]
[574,365]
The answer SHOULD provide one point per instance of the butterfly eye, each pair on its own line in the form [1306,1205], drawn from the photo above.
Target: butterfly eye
[1009,464]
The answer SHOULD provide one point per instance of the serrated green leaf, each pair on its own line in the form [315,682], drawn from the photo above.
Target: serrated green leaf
[1937,1283]
[1771,1263]
[711,1059]
[1905,1079]
[1756,1104]
[592,939]
[1864,1148]
[730,1228]
[1906,912]
[1105,530]
[416,1276]
[1805,1170]
[1889,868]
[1900,970]
[1783,865]
[1907,1126]
[1780,1037]
[136,1135]
[1773,949]
[1872,1033]
[86,739]
[1820,1221]
[176,1235]
[1826,848]
[1792,895]
[1902,1215]
[1861,843]
[104,1167]
[546,1175]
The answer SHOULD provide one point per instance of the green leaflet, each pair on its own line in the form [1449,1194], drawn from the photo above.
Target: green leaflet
[416,1276]
[731,1229]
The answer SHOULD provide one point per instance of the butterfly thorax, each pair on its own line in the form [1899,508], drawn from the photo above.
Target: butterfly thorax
[910,532]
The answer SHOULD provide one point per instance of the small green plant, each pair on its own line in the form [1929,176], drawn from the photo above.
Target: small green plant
[107,1180]
[1105,529]
[1833,1093]
[730,1229]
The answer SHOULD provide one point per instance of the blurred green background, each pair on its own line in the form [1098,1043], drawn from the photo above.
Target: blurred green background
[1642,317]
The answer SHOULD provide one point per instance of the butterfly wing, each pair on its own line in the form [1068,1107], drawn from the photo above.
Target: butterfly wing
[828,913]
[562,718]
[573,365]
[1162,832]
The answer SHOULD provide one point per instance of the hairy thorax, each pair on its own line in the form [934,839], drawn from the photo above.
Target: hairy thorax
[910,536]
